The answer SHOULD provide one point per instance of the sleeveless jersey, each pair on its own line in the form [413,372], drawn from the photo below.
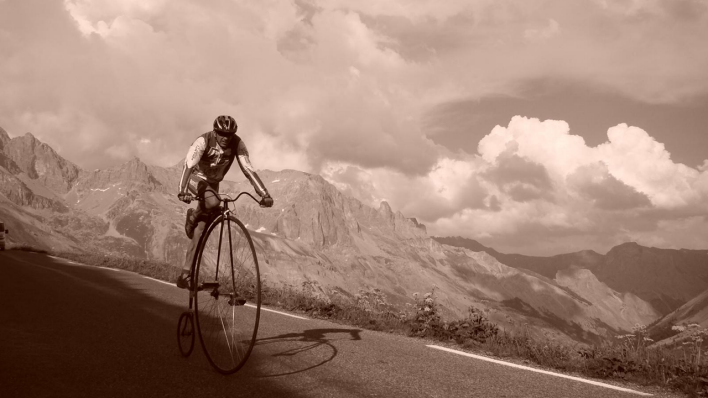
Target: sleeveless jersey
[207,160]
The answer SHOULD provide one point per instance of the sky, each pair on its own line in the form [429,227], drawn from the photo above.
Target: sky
[537,127]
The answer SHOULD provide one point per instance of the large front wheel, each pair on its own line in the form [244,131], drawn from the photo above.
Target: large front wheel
[228,294]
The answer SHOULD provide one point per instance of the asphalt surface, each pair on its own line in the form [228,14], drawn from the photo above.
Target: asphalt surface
[70,330]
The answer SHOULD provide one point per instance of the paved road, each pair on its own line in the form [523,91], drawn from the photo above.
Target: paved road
[69,330]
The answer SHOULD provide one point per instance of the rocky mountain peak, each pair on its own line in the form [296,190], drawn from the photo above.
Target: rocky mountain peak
[419,225]
[133,173]
[405,227]
[385,209]
[31,143]
[135,165]
[627,249]
[40,162]
[4,138]
[29,137]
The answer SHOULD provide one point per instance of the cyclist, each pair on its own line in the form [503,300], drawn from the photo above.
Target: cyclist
[208,160]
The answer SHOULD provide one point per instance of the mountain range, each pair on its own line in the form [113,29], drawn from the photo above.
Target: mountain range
[316,235]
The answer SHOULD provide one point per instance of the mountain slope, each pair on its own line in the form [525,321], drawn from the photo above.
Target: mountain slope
[666,278]
[546,266]
[695,311]
[313,235]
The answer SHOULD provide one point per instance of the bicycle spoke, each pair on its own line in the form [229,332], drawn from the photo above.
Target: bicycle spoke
[227,328]
[226,337]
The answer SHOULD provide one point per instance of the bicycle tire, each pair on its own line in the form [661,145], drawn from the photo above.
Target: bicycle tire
[227,326]
[185,333]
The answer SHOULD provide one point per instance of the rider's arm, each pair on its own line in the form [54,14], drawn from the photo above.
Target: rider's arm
[193,156]
[247,168]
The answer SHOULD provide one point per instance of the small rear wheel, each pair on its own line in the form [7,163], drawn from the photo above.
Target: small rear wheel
[228,294]
[185,333]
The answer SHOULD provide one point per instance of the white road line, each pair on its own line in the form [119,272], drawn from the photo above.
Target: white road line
[110,269]
[66,261]
[157,280]
[278,312]
[247,305]
[513,365]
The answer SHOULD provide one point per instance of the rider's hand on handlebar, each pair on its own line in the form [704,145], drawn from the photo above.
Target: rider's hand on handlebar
[266,201]
[185,197]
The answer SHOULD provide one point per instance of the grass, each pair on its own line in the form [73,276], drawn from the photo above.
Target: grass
[682,366]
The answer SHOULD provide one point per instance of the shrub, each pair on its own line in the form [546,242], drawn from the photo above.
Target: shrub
[426,322]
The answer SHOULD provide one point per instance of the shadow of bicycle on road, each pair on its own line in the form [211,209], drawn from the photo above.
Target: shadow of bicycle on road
[300,352]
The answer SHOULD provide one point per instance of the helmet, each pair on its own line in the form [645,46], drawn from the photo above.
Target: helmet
[225,124]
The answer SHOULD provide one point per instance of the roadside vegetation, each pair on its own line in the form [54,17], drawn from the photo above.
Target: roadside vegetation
[632,357]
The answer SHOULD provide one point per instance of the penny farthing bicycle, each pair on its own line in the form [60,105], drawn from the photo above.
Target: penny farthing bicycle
[224,293]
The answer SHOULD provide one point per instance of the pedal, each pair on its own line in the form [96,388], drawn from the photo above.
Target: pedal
[239,301]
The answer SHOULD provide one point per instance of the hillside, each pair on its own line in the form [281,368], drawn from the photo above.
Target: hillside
[314,234]
[695,311]
[666,278]
[546,266]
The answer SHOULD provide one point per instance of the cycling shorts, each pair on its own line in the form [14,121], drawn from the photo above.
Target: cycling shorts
[208,191]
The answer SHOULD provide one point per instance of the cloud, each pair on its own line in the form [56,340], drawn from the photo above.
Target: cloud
[546,142]
[315,74]
[640,161]
[451,186]
[606,192]
[510,42]
[534,187]
[341,88]
[520,178]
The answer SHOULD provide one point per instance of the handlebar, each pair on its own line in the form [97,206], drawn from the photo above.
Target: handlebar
[223,198]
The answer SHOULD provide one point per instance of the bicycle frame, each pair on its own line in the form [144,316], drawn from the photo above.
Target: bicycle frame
[225,211]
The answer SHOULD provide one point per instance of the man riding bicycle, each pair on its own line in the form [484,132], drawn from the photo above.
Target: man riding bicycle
[207,162]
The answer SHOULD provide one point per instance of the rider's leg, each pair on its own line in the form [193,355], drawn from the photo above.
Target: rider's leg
[199,216]
[207,208]
[192,247]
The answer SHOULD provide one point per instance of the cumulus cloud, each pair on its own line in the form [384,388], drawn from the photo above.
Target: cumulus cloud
[624,189]
[639,160]
[537,188]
